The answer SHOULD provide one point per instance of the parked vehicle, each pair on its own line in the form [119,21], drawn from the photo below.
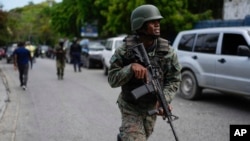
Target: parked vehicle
[2,53]
[45,51]
[92,54]
[215,58]
[110,46]
[9,53]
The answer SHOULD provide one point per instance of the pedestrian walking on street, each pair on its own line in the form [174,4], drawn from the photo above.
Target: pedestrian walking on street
[75,52]
[137,124]
[32,50]
[22,57]
[60,59]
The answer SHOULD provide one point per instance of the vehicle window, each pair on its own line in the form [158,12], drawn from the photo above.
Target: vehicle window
[206,43]
[118,43]
[95,46]
[109,45]
[186,42]
[231,42]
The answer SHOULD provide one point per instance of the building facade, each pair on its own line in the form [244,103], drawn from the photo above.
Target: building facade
[236,9]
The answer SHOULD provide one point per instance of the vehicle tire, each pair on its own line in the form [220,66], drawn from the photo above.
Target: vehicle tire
[189,88]
[88,63]
[105,68]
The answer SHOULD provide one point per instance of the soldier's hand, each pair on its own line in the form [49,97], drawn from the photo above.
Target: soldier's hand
[160,109]
[139,71]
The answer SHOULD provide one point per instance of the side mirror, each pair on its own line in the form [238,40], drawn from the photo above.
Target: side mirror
[243,50]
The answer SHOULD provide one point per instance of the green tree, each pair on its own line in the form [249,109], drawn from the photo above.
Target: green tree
[31,22]
[69,16]
[200,6]
[176,15]
[44,23]
[4,34]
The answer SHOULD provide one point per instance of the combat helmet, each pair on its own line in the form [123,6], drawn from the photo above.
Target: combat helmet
[142,14]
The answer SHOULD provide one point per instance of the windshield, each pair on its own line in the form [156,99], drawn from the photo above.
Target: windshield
[118,43]
[95,46]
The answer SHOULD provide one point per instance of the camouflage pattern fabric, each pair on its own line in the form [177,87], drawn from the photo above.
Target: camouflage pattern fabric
[136,124]
[60,60]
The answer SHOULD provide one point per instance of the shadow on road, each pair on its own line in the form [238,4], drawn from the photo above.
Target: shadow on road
[225,100]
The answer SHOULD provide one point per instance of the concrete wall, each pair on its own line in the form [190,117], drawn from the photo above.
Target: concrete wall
[236,9]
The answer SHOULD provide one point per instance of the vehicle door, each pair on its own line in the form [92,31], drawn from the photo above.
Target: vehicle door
[232,70]
[107,52]
[204,53]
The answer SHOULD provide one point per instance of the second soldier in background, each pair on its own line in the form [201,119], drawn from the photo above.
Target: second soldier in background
[60,59]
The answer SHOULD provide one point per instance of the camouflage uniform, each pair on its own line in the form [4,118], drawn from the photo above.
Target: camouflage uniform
[136,124]
[60,61]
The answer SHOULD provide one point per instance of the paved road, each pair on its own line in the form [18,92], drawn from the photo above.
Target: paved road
[82,107]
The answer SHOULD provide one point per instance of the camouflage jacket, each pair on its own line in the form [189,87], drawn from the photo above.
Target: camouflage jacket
[120,72]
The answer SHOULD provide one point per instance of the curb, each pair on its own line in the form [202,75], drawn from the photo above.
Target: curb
[4,93]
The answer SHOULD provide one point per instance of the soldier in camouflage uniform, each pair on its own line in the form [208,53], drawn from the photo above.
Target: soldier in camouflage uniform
[60,59]
[137,125]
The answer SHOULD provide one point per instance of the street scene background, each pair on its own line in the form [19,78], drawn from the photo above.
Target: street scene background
[82,107]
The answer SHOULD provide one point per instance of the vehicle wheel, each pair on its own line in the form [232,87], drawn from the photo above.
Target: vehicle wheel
[189,88]
[88,63]
[105,68]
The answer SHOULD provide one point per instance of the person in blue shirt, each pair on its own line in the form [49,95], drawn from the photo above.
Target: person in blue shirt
[75,52]
[22,57]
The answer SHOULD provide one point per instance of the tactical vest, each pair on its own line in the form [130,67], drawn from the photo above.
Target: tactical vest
[161,50]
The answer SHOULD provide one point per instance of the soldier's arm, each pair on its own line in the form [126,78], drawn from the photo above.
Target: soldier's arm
[118,74]
[172,78]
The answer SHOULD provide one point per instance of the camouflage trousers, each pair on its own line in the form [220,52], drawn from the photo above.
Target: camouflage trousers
[60,65]
[136,125]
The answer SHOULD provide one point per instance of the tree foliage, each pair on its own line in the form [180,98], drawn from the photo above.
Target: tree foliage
[44,24]
[176,15]
[3,27]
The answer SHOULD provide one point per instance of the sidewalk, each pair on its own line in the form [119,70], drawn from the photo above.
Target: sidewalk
[4,90]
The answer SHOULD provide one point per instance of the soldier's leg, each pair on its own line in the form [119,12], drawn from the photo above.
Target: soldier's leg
[132,128]
[62,69]
[149,123]
[58,73]
[58,69]
[119,137]
[61,72]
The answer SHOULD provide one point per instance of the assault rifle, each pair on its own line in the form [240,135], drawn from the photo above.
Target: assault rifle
[153,86]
